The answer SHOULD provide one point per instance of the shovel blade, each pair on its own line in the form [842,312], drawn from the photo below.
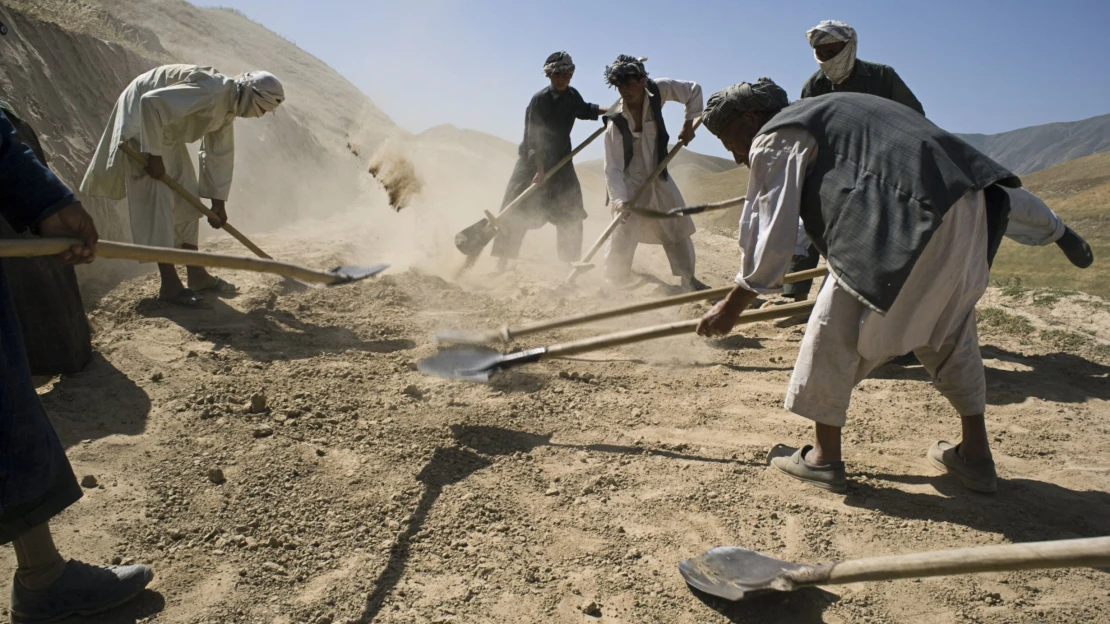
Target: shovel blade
[463,363]
[353,273]
[735,573]
[472,240]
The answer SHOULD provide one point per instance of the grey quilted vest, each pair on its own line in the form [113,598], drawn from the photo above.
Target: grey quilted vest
[883,179]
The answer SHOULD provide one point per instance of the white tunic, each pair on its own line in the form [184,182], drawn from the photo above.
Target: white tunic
[162,110]
[663,195]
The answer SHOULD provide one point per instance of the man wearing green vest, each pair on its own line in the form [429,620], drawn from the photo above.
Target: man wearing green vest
[904,275]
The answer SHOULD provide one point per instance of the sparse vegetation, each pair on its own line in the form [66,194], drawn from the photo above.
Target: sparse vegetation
[1045,301]
[1004,322]
[1064,340]
[1011,287]
[81,18]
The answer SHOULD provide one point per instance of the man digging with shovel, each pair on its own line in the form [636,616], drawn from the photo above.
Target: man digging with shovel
[158,114]
[635,142]
[908,216]
[547,125]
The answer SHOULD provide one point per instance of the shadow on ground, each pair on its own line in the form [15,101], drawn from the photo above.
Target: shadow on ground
[139,609]
[266,334]
[100,383]
[805,606]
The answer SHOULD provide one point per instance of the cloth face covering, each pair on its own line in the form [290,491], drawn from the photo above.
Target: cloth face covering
[839,67]
[259,93]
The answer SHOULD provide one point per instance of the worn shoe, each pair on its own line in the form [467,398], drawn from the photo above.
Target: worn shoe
[1075,248]
[82,589]
[693,284]
[830,477]
[977,475]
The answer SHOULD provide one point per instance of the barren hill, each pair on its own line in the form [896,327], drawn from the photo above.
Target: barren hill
[1037,147]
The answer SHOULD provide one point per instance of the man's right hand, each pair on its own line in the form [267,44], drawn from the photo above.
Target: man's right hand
[155,168]
[72,222]
[619,207]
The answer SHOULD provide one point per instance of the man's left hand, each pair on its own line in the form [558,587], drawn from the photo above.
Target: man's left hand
[687,134]
[220,209]
[72,222]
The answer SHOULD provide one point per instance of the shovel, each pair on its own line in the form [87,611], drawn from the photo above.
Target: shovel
[469,363]
[734,573]
[584,264]
[472,240]
[508,334]
[25,248]
[687,210]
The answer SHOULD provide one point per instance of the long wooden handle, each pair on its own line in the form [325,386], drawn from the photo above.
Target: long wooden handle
[635,198]
[25,248]
[671,329]
[509,333]
[528,192]
[196,203]
[1091,552]
[687,210]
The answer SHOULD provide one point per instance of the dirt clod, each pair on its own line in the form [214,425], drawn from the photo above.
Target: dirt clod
[215,475]
[88,481]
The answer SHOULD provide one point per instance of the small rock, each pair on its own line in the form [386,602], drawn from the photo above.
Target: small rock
[633,554]
[274,568]
[215,475]
[157,377]
[264,431]
[564,375]
[191,354]
[552,492]
[88,481]
[591,608]
[588,377]
[258,403]
[320,452]
[413,391]
[117,560]
[324,619]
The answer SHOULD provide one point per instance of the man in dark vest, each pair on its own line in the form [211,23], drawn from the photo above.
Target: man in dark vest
[635,144]
[47,298]
[547,126]
[36,480]
[908,217]
[834,47]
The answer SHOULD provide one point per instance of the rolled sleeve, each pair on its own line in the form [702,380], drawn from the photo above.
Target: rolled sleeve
[769,229]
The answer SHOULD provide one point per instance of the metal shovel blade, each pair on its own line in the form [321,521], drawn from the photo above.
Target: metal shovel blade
[354,273]
[463,363]
[734,573]
[472,240]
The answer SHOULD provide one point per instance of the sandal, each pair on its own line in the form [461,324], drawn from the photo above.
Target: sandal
[220,287]
[186,298]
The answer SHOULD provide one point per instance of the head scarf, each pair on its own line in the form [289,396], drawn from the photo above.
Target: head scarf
[625,68]
[728,104]
[259,93]
[558,63]
[839,67]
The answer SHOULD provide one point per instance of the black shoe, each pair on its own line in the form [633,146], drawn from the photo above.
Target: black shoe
[1075,248]
[82,589]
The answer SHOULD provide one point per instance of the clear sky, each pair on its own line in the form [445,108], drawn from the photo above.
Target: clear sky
[976,65]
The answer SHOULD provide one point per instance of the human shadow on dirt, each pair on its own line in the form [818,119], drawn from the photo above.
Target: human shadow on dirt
[102,384]
[446,467]
[1023,510]
[266,335]
[1056,377]
[805,606]
[499,441]
[138,609]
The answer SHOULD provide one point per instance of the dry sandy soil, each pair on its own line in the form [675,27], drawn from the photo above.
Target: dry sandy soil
[364,491]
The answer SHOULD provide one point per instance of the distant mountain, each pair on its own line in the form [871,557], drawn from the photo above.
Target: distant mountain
[1026,150]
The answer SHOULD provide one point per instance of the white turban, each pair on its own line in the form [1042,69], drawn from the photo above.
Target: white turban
[839,67]
[259,93]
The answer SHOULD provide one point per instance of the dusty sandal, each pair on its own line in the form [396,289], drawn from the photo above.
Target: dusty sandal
[186,298]
[830,477]
[220,286]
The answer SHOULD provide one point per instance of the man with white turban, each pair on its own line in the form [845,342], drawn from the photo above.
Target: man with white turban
[908,217]
[158,114]
[636,142]
[834,42]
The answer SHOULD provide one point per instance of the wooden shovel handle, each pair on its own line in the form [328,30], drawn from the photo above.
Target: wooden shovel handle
[635,198]
[1091,552]
[510,333]
[25,248]
[671,329]
[195,202]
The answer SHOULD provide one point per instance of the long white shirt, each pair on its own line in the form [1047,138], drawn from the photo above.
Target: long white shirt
[168,106]
[622,182]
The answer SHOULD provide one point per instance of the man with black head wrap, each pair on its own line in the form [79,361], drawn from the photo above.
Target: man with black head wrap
[547,126]
[908,217]
[636,141]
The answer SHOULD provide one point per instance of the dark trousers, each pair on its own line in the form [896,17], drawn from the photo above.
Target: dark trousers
[510,237]
[800,290]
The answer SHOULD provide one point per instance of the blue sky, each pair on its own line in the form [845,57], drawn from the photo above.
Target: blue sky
[977,66]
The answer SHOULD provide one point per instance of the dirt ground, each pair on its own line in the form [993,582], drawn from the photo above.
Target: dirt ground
[353,488]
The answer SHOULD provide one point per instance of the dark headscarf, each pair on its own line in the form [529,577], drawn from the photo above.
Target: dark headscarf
[558,63]
[725,105]
[625,68]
